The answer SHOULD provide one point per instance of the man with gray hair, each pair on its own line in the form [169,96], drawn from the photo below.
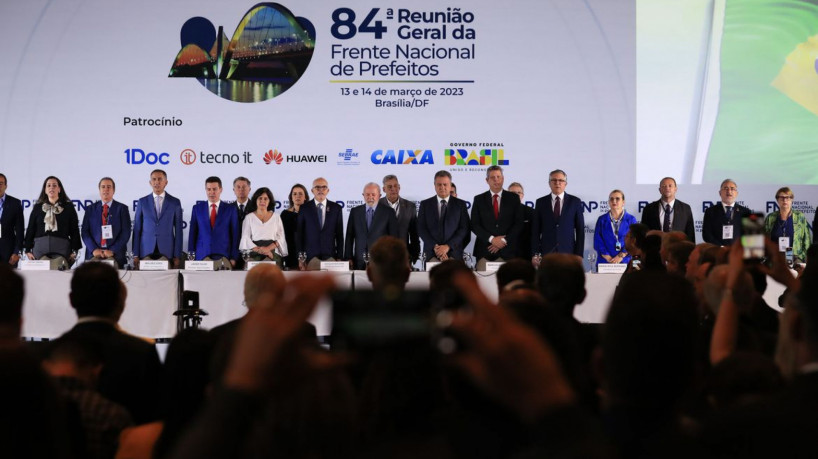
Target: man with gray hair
[558,226]
[367,223]
[722,221]
[407,213]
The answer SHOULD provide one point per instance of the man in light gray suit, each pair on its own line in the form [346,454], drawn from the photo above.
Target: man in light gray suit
[407,214]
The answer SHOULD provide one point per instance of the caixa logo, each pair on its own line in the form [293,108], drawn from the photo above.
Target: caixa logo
[138,156]
[402,157]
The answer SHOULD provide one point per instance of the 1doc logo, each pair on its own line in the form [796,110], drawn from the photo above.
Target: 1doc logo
[138,156]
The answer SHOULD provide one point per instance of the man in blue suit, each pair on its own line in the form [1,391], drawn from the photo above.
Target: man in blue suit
[366,224]
[214,226]
[558,225]
[320,230]
[157,228]
[106,226]
[11,226]
[443,221]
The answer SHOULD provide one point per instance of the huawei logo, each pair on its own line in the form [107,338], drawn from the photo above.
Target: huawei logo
[273,156]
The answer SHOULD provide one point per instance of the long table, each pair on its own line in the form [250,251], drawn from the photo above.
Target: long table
[153,296]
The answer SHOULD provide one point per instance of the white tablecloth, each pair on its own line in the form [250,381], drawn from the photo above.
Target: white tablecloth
[152,299]
[221,294]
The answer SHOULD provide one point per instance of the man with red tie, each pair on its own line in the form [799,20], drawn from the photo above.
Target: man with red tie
[214,226]
[558,225]
[106,226]
[496,220]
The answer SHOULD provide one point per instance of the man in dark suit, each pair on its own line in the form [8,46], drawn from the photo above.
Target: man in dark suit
[407,214]
[214,226]
[443,222]
[157,228]
[366,224]
[320,230]
[131,373]
[558,225]
[106,226]
[496,220]
[11,225]
[722,222]
[241,188]
[669,214]
[524,250]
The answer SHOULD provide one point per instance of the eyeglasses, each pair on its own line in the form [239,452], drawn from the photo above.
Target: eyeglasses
[784,198]
[729,188]
[554,180]
[320,187]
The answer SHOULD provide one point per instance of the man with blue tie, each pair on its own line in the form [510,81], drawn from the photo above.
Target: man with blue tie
[320,230]
[214,226]
[106,226]
[366,224]
[157,228]
[558,225]
[443,221]
[11,226]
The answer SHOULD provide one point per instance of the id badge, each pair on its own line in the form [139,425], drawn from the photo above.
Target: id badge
[783,243]
[727,232]
[107,232]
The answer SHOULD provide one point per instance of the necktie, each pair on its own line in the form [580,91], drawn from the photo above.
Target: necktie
[212,215]
[729,213]
[442,220]
[369,212]
[104,221]
[557,207]
[666,222]
[496,207]
[241,209]
[321,216]
[157,203]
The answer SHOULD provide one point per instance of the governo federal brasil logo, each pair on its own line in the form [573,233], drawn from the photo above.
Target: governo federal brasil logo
[268,53]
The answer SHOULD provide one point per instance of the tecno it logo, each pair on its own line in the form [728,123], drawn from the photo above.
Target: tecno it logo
[187,156]
[138,156]
[273,156]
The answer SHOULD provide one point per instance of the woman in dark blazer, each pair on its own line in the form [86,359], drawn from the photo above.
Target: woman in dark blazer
[298,195]
[53,216]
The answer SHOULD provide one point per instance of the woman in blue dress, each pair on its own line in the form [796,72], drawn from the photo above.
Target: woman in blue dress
[611,228]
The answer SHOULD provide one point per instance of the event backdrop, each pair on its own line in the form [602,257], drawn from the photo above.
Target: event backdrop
[618,93]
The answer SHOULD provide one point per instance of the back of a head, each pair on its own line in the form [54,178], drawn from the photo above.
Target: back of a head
[517,271]
[389,263]
[652,258]
[561,281]
[677,255]
[265,278]
[716,282]
[440,276]
[11,301]
[639,232]
[96,291]
[649,344]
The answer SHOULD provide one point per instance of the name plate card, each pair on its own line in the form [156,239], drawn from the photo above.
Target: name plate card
[493,266]
[339,266]
[431,264]
[156,265]
[201,265]
[34,265]
[608,268]
[252,264]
